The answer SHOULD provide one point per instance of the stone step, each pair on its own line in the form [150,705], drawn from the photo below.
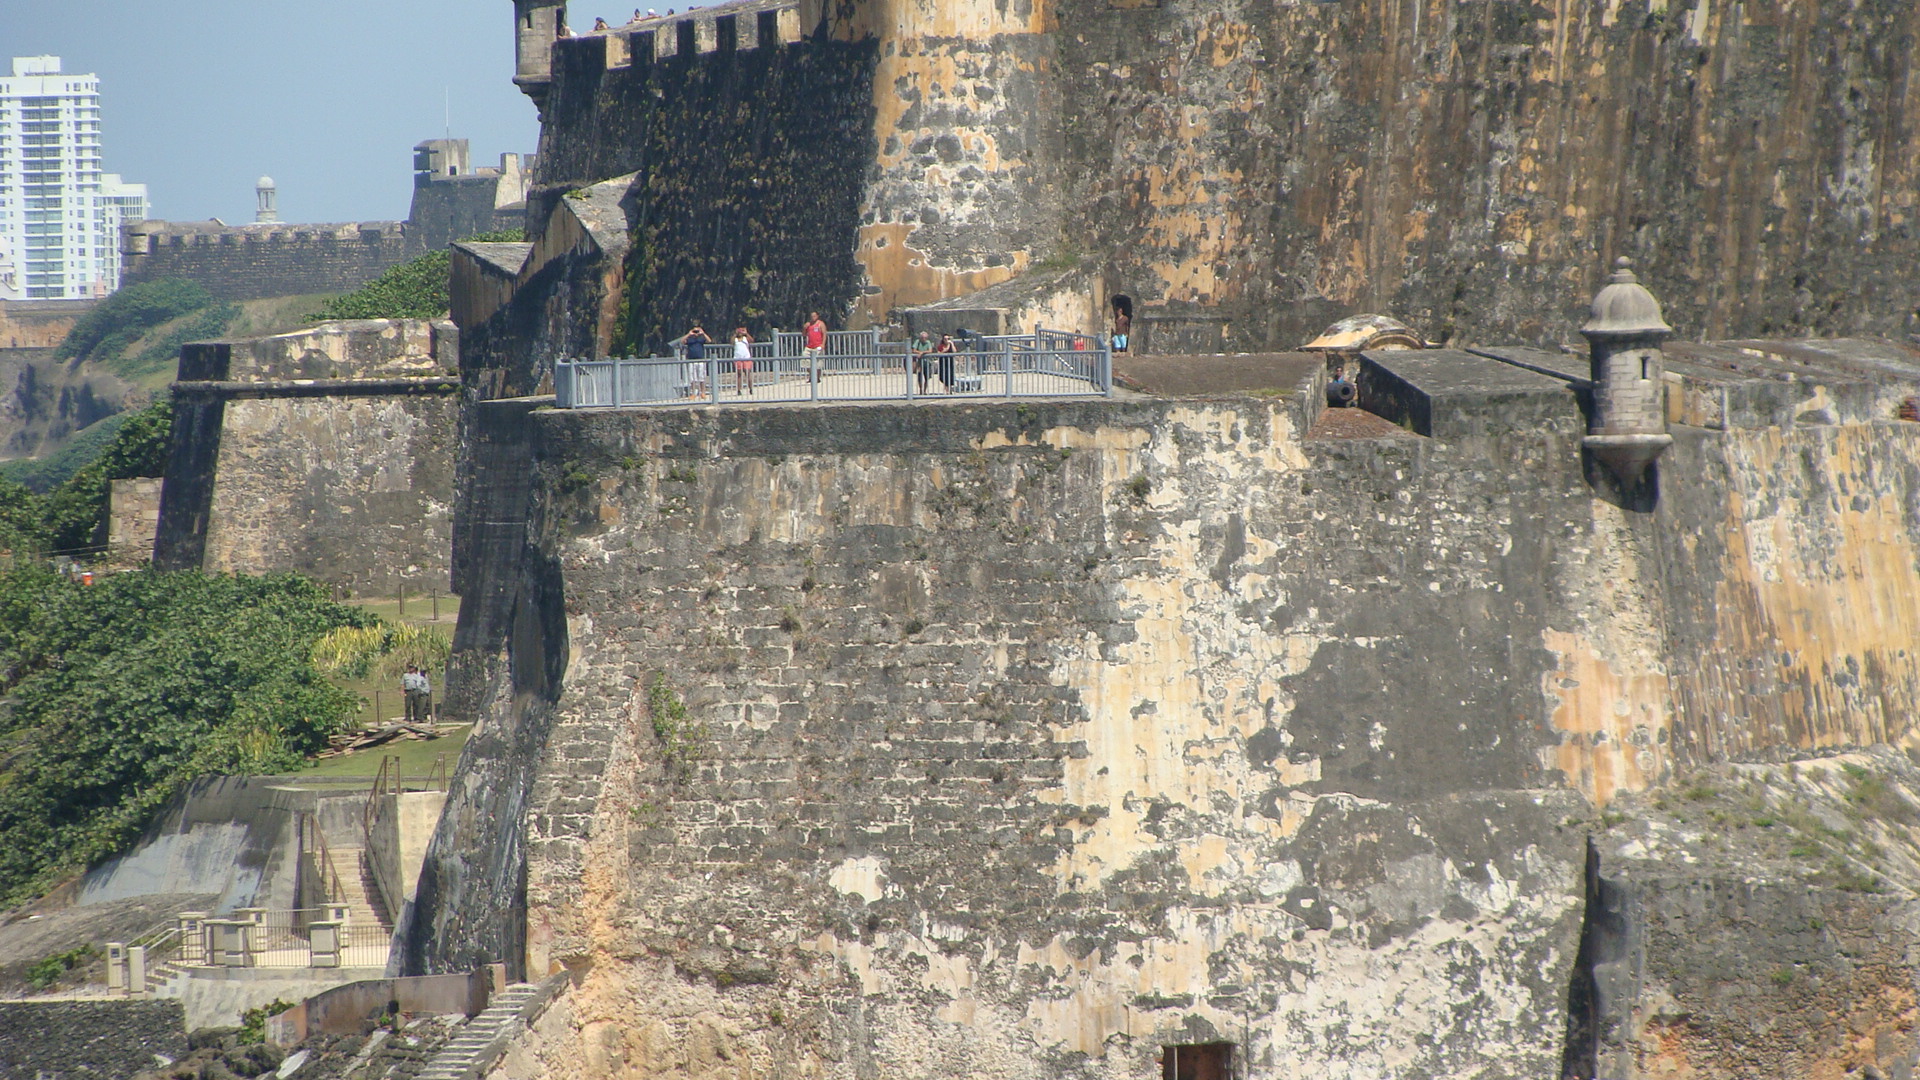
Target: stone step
[463,1056]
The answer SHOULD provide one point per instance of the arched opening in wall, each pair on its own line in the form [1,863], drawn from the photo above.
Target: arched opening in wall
[1197,1061]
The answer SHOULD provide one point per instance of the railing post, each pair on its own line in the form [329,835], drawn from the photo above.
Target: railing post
[816,370]
[1006,360]
[323,940]
[116,967]
[1106,369]
[713,379]
[193,937]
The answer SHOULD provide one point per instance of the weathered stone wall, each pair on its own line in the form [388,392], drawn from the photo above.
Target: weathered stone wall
[1466,166]
[328,451]
[133,520]
[748,165]
[1471,166]
[1027,739]
[354,491]
[38,324]
[251,262]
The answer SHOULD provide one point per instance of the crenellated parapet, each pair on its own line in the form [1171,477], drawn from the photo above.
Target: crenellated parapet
[248,262]
[545,43]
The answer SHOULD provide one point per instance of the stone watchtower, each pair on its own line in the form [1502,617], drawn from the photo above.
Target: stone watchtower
[1628,429]
[536,25]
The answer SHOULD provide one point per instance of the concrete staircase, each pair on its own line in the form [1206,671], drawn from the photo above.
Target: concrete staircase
[480,1043]
[364,906]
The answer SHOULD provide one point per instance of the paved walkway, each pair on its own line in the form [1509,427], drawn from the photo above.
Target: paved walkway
[888,385]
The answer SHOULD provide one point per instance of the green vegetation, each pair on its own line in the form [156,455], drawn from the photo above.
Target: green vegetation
[160,350]
[103,334]
[681,740]
[45,973]
[43,474]
[72,516]
[253,1022]
[412,290]
[122,692]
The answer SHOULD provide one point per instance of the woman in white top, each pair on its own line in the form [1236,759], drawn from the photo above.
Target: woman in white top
[742,360]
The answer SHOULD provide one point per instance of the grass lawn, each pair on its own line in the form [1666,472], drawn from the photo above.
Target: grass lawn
[416,758]
[382,702]
[421,608]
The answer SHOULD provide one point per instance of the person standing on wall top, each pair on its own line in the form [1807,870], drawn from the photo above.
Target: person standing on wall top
[693,346]
[922,359]
[814,342]
[742,360]
[945,351]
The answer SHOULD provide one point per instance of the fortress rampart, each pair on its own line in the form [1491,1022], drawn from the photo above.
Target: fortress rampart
[1464,166]
[248,262]
[327,451]
[1031,739]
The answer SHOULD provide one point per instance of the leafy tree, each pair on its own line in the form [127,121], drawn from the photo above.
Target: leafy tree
[120,693]
[102,334]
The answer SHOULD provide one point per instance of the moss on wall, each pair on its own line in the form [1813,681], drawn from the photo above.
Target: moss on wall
[750,166]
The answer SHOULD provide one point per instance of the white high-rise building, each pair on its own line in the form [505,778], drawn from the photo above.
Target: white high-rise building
[60,216]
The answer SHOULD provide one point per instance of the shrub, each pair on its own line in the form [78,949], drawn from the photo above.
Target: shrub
[412,290]
[102,334]
[45,973]
[74,515]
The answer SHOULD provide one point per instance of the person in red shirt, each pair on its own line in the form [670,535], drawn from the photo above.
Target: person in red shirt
[814,342]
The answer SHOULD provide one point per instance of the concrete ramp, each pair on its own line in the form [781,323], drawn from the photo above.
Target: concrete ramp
[228,837]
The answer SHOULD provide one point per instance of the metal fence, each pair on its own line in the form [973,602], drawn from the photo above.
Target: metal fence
[854,366]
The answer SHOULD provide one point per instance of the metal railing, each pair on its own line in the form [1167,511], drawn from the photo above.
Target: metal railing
[250,937]
[1046,363]
[317,860]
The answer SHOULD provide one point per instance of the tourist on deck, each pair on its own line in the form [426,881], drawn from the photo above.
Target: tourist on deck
[922,359]
[945,351]
[742,360]
[694,347]
[813,341]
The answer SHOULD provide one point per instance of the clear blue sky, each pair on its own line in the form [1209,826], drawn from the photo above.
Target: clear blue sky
[200,97]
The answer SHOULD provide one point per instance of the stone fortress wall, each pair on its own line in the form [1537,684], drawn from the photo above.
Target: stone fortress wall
[327,451]
[1037,739]
[451,200]
[1029,739]
[1276,167]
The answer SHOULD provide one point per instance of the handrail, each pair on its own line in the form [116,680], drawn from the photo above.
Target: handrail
[1048,364]
[323,859]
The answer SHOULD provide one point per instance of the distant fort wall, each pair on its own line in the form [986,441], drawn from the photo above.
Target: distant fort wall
[451,201]
[251,262]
